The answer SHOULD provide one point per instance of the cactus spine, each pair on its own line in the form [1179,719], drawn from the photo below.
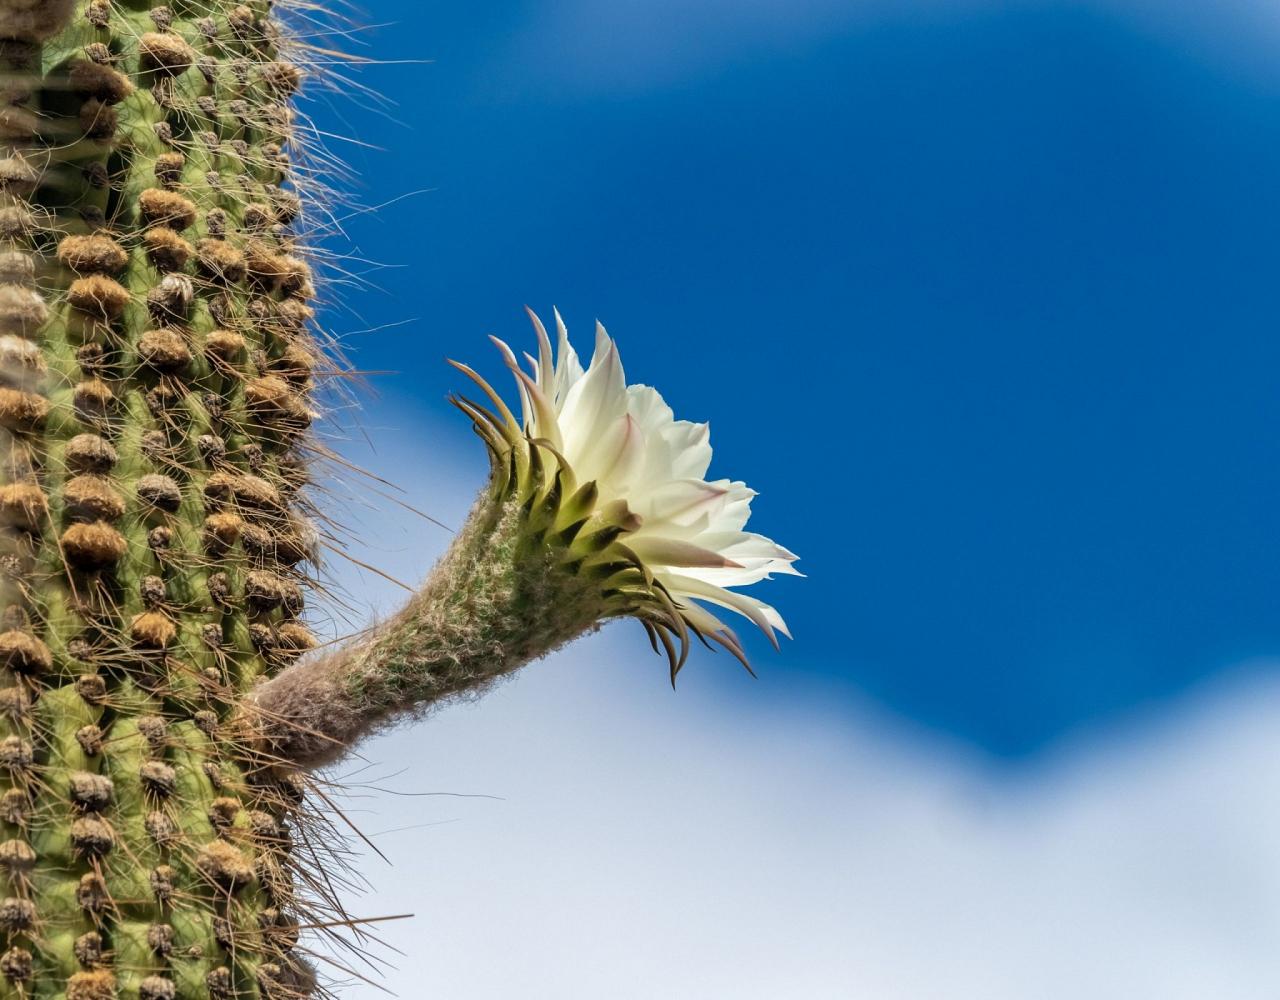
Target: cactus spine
[155,365]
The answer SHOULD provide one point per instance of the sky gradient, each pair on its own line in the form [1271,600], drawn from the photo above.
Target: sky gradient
[981,302]
[582,832]
[980,296]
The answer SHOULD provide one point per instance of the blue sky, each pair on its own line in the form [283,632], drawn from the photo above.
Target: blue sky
[980,298]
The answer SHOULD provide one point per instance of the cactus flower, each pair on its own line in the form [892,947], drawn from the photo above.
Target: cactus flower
[619,485]
[597,507]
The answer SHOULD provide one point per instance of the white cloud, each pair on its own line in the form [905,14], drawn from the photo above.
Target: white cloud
[648,844]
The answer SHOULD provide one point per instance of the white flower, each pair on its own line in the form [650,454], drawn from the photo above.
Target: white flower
[646,475]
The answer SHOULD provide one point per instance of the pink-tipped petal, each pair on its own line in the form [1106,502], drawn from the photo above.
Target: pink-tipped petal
[658,552]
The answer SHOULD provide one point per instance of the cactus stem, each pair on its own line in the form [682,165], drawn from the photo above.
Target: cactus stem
[491,605]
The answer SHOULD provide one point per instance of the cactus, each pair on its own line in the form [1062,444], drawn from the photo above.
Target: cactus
[156,364]
[157,371]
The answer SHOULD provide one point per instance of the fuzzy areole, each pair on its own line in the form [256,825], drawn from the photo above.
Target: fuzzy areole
[33,20]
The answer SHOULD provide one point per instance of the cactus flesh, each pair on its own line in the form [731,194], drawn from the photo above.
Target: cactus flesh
[156,365]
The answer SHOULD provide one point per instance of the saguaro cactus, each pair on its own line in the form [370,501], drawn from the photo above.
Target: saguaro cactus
[156,363]
[156,372]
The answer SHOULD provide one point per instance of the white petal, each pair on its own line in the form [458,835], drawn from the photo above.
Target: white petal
[614,458]
[758,558]
[646,404]
[665,458]
[681,501]
[751,571]
[594,401]
[568,367]
[746,545]
[736,510]
[657,551]
[762,615]
[690,446]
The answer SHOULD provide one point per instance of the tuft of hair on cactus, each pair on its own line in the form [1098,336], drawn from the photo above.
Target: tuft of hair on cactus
[597,508]
[33,20]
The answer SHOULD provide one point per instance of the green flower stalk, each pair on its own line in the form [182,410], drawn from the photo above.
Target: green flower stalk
[159,360]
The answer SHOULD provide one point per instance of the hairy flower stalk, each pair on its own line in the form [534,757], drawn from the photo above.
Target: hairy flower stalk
[495,601]
[596,509]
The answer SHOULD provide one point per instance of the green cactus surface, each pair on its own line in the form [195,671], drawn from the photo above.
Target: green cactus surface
[155,370]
